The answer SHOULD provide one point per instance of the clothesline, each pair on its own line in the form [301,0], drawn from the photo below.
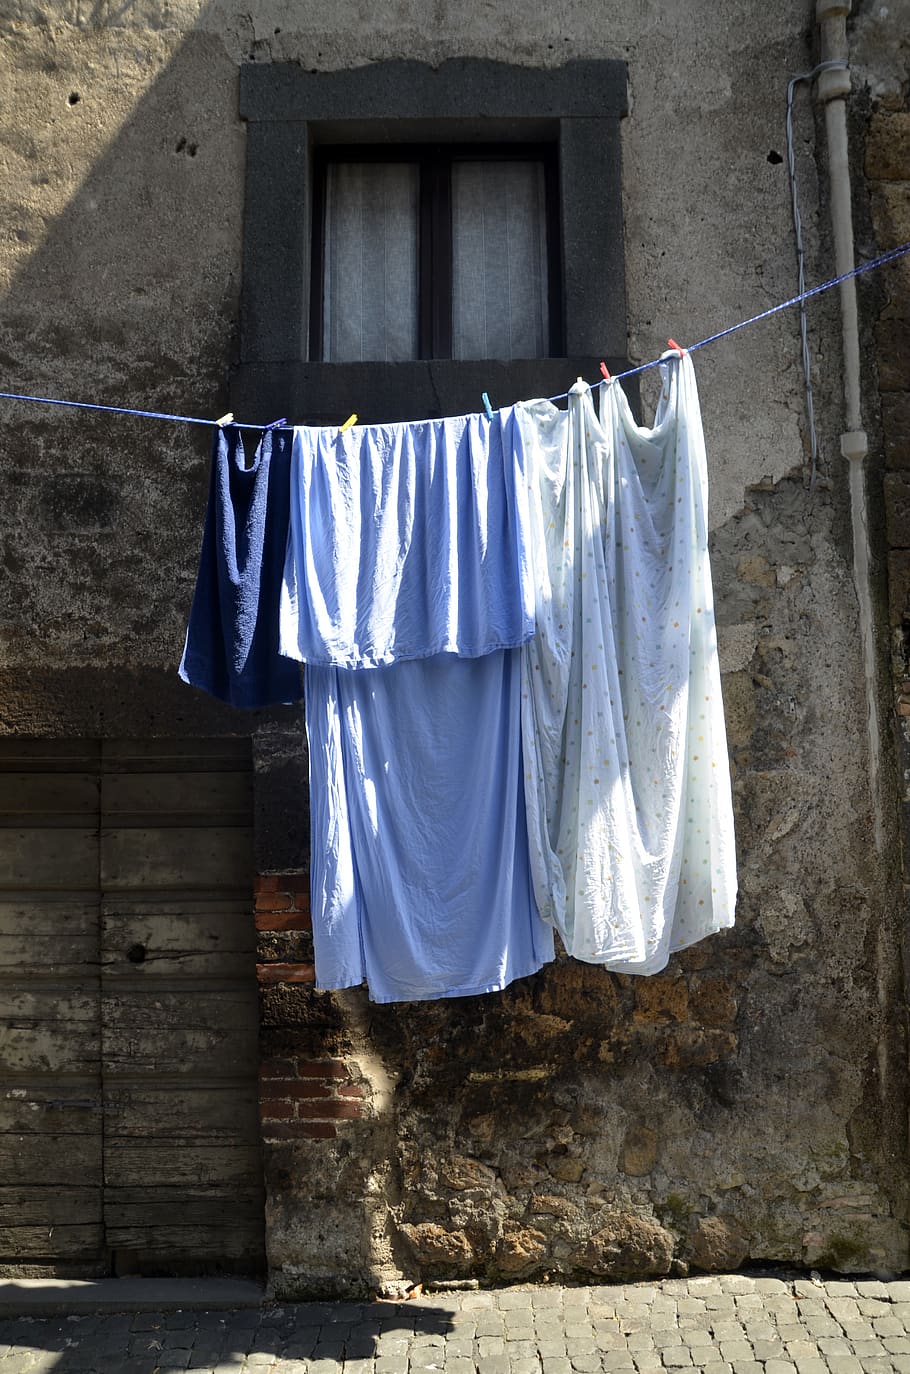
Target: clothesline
[883,258]
[519,616]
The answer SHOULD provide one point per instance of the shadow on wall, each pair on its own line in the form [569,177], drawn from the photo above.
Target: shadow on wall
[123,184]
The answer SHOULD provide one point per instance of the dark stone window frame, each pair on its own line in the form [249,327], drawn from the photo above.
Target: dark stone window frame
[291,111]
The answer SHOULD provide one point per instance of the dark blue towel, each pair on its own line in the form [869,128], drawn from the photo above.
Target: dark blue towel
[232,638]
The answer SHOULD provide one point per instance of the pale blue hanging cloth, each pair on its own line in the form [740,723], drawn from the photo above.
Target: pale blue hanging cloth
[407,551]
[408,540]
[627,777]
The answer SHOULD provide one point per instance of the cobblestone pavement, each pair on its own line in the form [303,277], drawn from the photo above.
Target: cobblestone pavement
[722,1325]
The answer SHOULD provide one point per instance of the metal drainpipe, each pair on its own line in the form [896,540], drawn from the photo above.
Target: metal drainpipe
[832,90]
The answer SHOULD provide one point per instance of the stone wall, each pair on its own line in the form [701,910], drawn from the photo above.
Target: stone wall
[751,1102]
[887,169]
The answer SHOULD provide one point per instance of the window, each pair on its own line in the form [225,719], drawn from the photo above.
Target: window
[416,235]
[435,251]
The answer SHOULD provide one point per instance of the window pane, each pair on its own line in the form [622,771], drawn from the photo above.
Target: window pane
[371,259]
[499,250]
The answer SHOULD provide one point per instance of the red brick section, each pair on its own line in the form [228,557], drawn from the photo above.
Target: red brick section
[304,1099]
[282,901]
[299,1099]
[283,904]
[286,973]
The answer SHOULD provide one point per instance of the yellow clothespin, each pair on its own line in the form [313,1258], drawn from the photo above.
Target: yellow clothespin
[351,420]
[225,419]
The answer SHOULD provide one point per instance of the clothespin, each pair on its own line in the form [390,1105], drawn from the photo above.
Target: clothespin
[275,423]
[606,375]
[671,343]
[225,420]
[486,405]
[351,420]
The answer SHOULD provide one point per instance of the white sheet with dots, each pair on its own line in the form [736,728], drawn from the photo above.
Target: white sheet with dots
[627,780]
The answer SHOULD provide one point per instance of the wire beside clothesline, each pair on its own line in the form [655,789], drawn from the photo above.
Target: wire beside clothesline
[891,256]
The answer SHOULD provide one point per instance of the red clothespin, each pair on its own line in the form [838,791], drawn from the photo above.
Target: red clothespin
[671,343]
[606,375]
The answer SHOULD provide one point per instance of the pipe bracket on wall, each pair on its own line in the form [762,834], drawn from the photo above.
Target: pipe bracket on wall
[854,445]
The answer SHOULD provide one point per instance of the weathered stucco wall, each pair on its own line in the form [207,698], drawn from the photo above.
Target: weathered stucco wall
[751,1101]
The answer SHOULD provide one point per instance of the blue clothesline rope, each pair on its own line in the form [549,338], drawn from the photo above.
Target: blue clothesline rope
[891,256]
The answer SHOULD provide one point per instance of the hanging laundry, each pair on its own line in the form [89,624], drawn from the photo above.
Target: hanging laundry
[231,647]
[407,592]
[626,772]
[407,540]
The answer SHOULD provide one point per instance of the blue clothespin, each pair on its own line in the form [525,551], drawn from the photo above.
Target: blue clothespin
[275,423]
[486,405]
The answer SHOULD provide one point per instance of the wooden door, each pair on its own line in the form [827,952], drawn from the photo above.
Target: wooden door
[151,878]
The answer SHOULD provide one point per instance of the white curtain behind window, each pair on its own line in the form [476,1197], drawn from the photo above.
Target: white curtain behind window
[370,274]
[499,261]
[499,250]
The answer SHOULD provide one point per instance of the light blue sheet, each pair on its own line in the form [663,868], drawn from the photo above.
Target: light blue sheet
[420,872]
[407,540]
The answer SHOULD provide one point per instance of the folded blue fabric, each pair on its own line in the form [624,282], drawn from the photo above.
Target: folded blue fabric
[231,645]
[407,540]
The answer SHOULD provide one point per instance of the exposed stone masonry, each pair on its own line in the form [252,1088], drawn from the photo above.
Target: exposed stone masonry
[887,169]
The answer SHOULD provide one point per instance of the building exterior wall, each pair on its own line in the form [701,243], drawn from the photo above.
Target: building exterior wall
[750,1102]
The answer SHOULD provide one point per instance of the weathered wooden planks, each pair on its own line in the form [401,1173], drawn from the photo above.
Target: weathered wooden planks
[200,755]
[181,796]
[53,1161]
[41,1224]
[44,857]
[175,857]
[34,1208]
[49,1031]
[163,1166]
[168,1248]
[128,1016]
[55,1107]
[179,1012]
[24,754]
[50,937]
[59,798]
[44,1244]
[50,1027]
[192,1032]
[224,1111]
[185,938]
